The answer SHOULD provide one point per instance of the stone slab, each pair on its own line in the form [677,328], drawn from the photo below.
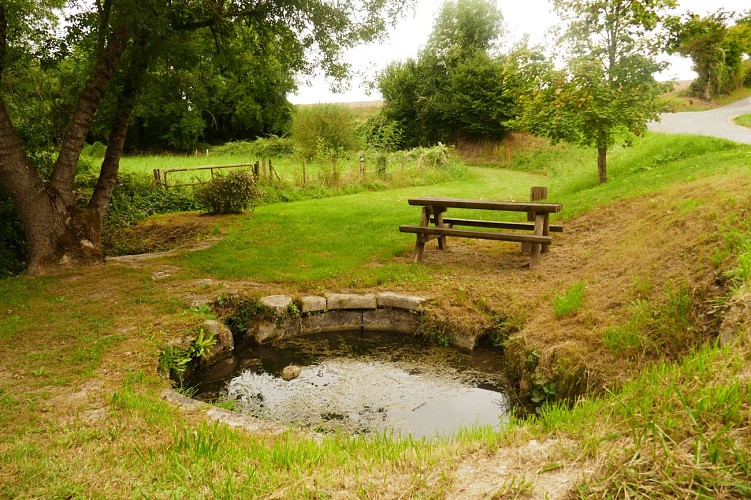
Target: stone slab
[397,320]
[400,301]
[278,303]
[331,321]
[351,301]
[312,303]
[268,331]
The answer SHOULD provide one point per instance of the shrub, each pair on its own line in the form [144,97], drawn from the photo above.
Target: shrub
[230,194]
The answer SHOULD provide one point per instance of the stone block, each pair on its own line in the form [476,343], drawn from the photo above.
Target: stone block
[331,321]
[400,301]
[312,303]
[278,303]
[268,331]
[396,320]
[224,341]
[351,301]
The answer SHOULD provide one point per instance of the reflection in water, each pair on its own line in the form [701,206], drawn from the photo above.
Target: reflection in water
[363,382]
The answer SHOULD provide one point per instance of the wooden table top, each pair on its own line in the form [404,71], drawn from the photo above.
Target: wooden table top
[512,206]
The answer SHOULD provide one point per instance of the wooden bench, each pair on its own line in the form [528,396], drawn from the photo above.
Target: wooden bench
[434,208]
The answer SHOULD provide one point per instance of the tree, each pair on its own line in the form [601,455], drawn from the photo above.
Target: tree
[455,87]
[118,41]
[716,49]
[327,129]
[607,92]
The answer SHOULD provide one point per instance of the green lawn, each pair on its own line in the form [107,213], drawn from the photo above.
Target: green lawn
[341,237]
[744,120]
[81,413]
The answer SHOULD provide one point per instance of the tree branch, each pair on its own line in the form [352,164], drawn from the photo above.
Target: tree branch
[111,163]
[83,115]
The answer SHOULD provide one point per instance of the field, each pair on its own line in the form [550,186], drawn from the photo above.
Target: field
[623,316]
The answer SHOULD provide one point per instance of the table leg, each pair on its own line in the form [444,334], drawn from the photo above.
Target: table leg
[421,238]
[537,247]
[438,213]
[527,247]
[546,232]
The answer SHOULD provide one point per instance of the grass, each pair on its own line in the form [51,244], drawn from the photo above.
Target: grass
[319,240]
[571,301]
[679,101]
[743,120]
[80,407]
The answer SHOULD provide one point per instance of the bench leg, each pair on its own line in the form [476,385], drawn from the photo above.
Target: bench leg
[534,256]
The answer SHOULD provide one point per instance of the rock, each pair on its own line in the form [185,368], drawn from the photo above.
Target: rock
[312,303]
[268,331]
[400,301]
[291,372]
[332,321]
[224,341]
[278,303]
[351,301]
[395,320]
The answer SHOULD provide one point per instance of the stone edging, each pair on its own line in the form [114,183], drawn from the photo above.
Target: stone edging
[336,312]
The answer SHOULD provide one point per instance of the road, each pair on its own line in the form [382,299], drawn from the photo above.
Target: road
[715,122]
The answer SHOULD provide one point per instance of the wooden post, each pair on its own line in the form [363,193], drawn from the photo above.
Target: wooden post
[304,165]
[362,166]
[534,255]
[255,170]
[421,238]
[438,215]
[263,166]
[271,170]
[158,178]
[536,193]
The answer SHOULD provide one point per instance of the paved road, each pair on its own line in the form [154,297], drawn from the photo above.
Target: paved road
[715,122]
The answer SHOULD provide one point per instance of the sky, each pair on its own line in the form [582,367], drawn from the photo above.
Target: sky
[533,17]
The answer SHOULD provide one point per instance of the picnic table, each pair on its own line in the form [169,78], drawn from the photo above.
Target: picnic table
[435,208]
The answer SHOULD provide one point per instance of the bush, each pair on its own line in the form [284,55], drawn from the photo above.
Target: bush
[230,194]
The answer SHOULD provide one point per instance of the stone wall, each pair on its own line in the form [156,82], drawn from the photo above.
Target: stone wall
[336,312]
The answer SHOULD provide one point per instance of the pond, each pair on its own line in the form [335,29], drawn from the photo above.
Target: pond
[362,382]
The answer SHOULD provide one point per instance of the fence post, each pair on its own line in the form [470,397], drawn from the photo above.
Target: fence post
[304,165]
[362,166]
[255,170]
[263,166]
[536,193]
[158,178]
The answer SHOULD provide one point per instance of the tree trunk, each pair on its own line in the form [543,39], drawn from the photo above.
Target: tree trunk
[57,232]
[602,164]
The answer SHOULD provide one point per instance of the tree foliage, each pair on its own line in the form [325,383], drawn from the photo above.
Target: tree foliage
[607,92]
[90,72]
[716,46]
[326,130]
[458,85]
